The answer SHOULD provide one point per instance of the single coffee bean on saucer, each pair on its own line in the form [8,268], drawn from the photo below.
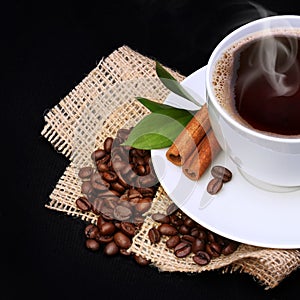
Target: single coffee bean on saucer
[214,186]
[222,173]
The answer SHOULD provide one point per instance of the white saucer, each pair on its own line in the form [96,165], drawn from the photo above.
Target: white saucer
[240,211]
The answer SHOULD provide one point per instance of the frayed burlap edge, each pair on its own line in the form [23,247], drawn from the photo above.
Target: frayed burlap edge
[268,266]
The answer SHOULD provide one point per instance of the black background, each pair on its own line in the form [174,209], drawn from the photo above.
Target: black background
[47,49]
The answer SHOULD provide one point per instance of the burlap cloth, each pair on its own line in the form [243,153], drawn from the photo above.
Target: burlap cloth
[96,108]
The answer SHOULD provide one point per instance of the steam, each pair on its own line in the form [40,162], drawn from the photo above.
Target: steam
[269,52]
[275,60]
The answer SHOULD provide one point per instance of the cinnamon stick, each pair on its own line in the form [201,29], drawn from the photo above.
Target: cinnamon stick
[201,158]
[186,142]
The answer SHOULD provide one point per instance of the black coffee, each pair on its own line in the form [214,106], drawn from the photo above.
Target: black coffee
[265,82]
[257,81]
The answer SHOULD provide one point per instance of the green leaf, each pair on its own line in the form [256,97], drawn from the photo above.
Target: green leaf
[160,128]
[172,84]
[157,130]
[160,107]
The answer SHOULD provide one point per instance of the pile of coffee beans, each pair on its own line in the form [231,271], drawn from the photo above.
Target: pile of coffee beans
[186,237]
[121,184]
[220,175]
[119,188]
[115,236]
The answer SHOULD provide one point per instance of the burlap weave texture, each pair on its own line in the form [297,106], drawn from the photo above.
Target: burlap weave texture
[96,108]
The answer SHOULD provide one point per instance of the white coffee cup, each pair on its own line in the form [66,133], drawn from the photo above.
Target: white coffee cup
[270,162]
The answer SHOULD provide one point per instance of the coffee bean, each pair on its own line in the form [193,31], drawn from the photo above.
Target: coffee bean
[133,193]
[108,144]
[123,182]
[98,154]
[172,208]
[97,206]
[195,232]
[86,187]
[101,167]
[188,238]
[107,213]
[189,222]
[110,200]
[201,258]
[124,202]
[111,249]
[167,229]
[118,164]
[183,249]
[98,183]
[107,228]
[122,213]
[173,241]
[213,249]
[104,239]
[161,218]
[92,195]
[109,176]
[221,240]
[214,186]
[222,173]
[104,160]
[117,224]
[138,220]
[147,169]
[85,172]
[127,228]
[210,236]
[154,235]
[92,244]
[124,252]
[230,248]
[183,229]
[142,152]
[122,240]
[202,234]
[91,231]
[137,160]
[175,220]
[198,245]
[146,191]
[83,204]
[100,221]
[141,170]
[118,187]
[134,201]
[113,194]
[123,153]
[131,178]
[150,180]
[143,205]
[141,260]
[123,133]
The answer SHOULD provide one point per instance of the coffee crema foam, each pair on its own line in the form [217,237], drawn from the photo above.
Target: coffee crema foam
[224,72]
